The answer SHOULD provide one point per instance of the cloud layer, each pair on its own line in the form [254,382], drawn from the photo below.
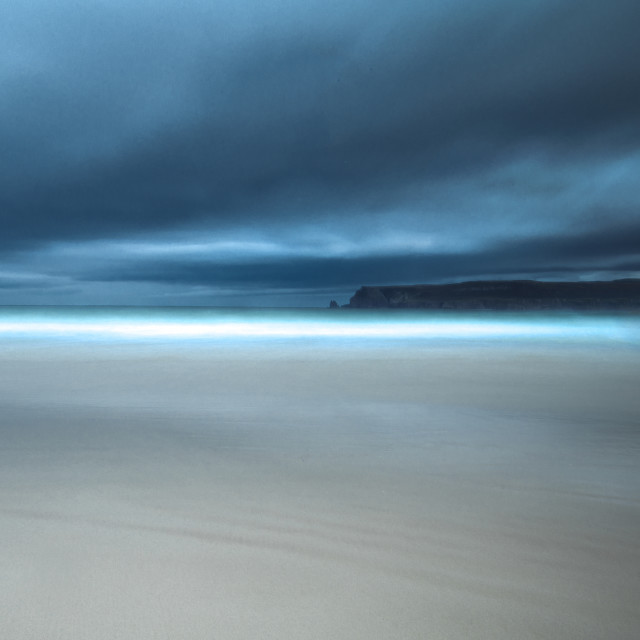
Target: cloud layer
[416,142]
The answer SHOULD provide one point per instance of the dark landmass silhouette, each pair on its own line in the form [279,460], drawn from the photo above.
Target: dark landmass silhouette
[503,295]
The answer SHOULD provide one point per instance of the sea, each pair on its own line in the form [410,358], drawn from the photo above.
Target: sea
[318,473]
[346,326]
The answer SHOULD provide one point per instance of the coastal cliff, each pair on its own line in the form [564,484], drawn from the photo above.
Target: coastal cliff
[503,295]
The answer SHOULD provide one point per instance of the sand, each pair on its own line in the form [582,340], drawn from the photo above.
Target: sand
[457,491]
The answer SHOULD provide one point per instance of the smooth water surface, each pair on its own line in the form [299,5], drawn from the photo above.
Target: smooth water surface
[171,323]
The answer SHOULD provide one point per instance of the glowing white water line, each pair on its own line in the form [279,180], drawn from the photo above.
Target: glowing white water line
[142,329]
[354,328]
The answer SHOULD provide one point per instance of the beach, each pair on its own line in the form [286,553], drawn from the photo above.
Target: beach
[445,489]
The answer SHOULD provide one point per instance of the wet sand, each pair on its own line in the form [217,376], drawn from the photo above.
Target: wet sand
[451,491]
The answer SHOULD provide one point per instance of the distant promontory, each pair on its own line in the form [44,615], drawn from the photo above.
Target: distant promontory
[503,295]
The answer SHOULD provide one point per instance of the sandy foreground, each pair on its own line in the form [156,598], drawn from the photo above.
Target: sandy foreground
[300,492]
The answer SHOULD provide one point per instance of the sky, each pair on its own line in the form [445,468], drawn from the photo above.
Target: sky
[285,153]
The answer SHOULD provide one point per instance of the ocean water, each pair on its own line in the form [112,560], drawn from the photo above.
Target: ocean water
[224,324]
[199,473]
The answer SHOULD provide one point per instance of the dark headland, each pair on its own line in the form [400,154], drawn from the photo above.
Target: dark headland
[503,295]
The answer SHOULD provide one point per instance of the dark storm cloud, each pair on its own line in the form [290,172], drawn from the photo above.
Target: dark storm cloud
[602,249]
[463,119]
[303,122]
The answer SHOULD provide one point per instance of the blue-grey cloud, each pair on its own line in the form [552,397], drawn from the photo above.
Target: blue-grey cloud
[460,119]
[601,250]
